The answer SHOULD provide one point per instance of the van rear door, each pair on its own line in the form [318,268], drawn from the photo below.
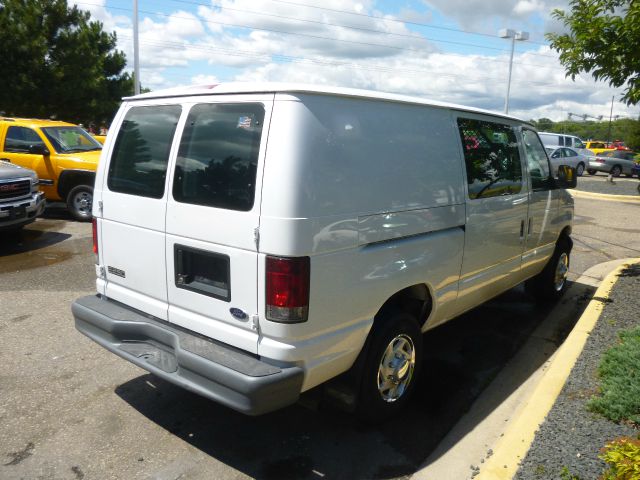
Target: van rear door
[213,214]
[134,199]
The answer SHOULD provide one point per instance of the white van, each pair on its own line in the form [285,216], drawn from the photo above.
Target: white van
[254,241]
[550,139]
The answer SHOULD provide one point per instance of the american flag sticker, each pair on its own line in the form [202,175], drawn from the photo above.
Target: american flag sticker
[244,122]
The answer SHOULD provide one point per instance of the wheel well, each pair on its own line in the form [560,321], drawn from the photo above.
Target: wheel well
[71,178]
[415,300]
[565,236]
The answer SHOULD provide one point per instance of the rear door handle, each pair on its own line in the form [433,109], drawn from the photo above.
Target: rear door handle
[530,226]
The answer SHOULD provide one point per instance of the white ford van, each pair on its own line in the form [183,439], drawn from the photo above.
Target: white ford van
[254,241]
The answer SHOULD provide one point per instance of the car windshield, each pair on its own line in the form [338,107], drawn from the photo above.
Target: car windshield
[614,154]
[71,139]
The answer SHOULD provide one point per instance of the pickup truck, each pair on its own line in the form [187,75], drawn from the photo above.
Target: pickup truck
[21,202]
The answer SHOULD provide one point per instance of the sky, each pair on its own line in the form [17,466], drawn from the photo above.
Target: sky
[445,50]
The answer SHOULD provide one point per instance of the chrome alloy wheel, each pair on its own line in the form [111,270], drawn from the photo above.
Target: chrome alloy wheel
[396,368]
[562,270]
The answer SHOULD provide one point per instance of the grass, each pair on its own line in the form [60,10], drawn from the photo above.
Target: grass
[619,371]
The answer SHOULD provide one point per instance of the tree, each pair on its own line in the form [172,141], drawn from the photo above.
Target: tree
[56,62]
[603,39]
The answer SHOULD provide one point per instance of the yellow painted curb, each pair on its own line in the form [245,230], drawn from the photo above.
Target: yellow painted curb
[517,439]
[605,196]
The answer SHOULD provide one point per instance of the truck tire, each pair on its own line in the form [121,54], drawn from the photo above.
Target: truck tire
[80,201]
[392,364]
[550,284]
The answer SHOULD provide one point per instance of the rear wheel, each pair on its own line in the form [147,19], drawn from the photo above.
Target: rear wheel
[580,169]
[391,366]
[80,201]
[551,283]
[616,170]
[591,172]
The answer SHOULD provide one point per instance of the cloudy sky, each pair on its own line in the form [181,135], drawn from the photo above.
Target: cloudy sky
[447,50]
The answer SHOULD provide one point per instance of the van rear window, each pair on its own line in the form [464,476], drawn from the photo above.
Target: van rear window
[218,156]
[139,160]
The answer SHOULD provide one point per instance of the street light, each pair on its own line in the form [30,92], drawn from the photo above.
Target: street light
[513,35]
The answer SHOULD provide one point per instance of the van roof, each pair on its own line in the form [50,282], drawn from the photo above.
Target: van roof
[275,87]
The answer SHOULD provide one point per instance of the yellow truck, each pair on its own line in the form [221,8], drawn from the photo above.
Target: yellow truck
[64,156]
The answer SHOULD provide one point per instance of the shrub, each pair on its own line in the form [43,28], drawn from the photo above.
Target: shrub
[623,457]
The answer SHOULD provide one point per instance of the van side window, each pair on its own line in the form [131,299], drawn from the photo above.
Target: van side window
[218,157]
[491,157]
[19,139]
[141,152]
[537,160]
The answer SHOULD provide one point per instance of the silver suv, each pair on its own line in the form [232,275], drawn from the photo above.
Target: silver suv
[21,202]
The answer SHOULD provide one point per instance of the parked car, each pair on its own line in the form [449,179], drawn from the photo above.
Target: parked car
[20,200]
[598,147]
[567,156]
[554,140]
[250,274]
[615,162]
[63,155]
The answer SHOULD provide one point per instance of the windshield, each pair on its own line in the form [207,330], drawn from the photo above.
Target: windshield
[578,144]
[71,139]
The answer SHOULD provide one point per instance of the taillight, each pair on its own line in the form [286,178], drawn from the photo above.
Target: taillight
[94,225]
[287,295]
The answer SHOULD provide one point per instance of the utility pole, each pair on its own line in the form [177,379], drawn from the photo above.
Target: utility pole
[136,57]
[513,35]
[610,115]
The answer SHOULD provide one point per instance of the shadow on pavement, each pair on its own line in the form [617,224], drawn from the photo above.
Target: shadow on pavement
[463,356]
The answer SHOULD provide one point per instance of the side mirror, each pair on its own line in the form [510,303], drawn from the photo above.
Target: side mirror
[39,149]
[567,177]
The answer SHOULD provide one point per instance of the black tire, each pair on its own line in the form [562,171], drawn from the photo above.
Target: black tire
[616,170]
[580,169]
[591,172]
[548,286]
[380,398]
[79,202]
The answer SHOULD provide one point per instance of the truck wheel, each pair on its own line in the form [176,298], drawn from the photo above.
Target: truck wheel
[580,169]
[80,201]
[550,284]
[391,367]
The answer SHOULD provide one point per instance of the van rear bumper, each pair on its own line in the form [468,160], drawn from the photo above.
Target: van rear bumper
[214,370]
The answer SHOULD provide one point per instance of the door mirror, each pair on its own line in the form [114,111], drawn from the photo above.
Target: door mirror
[39,149]
[567,177]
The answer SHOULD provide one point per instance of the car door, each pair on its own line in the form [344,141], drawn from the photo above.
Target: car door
[18,148]
[133,202]
[569,157]
[542,228]
[213,216]
[496,209]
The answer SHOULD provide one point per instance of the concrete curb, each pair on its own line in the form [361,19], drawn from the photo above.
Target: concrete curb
[605,196]
[517,439]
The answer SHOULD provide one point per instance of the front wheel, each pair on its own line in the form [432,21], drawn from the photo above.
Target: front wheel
[550,284]
[80,201]
[580,169]
[391,367]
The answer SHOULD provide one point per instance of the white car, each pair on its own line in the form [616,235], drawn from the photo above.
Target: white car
[254,241]
[568,156]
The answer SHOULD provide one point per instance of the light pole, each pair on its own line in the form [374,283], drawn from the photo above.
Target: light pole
[136,57]
[513,35]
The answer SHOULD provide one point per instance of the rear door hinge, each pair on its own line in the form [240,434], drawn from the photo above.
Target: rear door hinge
[255,322]
[100,207]
[256,237]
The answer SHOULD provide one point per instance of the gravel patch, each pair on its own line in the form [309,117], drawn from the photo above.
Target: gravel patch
[599,184]
[571,436]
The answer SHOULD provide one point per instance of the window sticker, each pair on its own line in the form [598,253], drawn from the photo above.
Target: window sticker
[244,122]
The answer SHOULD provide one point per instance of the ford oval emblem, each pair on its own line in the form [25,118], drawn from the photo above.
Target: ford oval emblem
[237,313]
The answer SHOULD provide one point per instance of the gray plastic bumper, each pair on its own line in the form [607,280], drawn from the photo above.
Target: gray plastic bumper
[214,370]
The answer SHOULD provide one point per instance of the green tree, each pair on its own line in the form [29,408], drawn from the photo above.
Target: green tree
[603,39]
[56,62]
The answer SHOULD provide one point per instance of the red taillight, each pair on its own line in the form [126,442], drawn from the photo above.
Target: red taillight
[287,295]
[94,226]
